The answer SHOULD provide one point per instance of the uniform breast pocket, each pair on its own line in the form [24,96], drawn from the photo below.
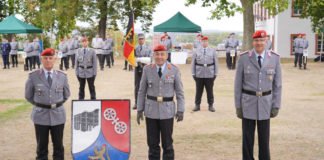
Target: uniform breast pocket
[59,90]
[247,74]
[169,80]
[270,74]
[39,91]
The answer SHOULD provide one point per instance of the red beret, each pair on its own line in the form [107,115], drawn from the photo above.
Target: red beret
[204,38]
[162,36]
[159,47]
[259,34]
[48,52]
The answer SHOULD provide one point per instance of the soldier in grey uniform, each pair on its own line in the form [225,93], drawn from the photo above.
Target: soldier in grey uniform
[197,42]
[76,46]
[47,90]
[110,58]
[141,50]
[36,48]
[303,45]
[86,68]
[13,52]
[268,43]
[105,53]
[28,48]
[231,44]
[204,68]
[97,46]
[159,83]
[72,46]
[64,49]
[167,42]
[297,51]
[257,95]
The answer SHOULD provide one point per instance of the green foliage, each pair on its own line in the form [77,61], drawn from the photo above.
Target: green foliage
[315,11]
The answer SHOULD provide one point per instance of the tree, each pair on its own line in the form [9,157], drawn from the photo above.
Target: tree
[229,8]
[315,11]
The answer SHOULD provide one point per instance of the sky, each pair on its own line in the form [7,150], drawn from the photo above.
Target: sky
[197,14]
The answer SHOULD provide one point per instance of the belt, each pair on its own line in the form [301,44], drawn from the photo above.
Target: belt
[85,67]
[160,98]
[259,94]
[205,65]
[49,106]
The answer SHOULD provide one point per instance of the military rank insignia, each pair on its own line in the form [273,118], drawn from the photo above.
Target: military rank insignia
[101,129]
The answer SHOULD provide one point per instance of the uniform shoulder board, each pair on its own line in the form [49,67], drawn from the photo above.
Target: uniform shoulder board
[59,71]
[34,71]
[170,65]
[243,53]
[272,52]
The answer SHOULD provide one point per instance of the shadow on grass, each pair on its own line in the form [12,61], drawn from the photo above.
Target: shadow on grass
[20,106]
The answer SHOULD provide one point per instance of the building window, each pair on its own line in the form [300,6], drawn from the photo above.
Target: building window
[296,8]
[292,38]
[319,44]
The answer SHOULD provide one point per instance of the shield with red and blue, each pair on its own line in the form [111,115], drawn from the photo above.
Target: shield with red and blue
[101,129]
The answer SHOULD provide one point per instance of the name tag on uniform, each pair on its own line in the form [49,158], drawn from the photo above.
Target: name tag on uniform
[305,52]
[232,52]
[270,73]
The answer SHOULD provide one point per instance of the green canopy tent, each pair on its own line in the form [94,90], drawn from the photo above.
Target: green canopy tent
[177,23]
[12,25]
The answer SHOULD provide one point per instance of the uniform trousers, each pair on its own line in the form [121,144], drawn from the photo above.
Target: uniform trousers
[156,129]
[29,63]
[72,57]
[111,58]
[230,61]
[208,83]
[42,134]
[91,86]
[5,59]
[248,129]
[14,60]
[138,76]
[36,60]
[99,57]
[64,63]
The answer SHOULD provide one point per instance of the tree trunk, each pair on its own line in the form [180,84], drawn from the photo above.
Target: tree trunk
[248,24]
[103,18]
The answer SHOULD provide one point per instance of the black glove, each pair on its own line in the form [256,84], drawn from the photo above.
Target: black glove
[274,112]
[239,113]
[139,117]
[179,116]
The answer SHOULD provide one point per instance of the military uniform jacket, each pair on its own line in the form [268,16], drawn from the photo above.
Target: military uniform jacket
[301,44]
[70,47]
[144,51]
[28,48]
[168,44]
[86,62]
[14,48]
[5,48]
[231,44]
[36,47]
[37,90]
[169,84]
[97,45]
[63,48]
[107,46]
[250,76]
[202,70]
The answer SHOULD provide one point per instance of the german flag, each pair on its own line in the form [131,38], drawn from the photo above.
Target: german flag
[129,41]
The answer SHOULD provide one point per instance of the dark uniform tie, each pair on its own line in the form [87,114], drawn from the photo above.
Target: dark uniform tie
[160,72]
[84,51]
[204,51]
[259,61]
[49,78]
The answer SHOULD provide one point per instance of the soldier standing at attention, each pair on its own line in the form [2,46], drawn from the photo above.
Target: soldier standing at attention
[197,42]
[167,42]
[231,44]
[47,90]
[28,48]
[141,50]
[13,52]
[159,83]
[86,69]
[97,46]
[110,59]
[204,68]
[63,48]
[36,48]
[5,48]
[297,49]
[303,44]
[257,95]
